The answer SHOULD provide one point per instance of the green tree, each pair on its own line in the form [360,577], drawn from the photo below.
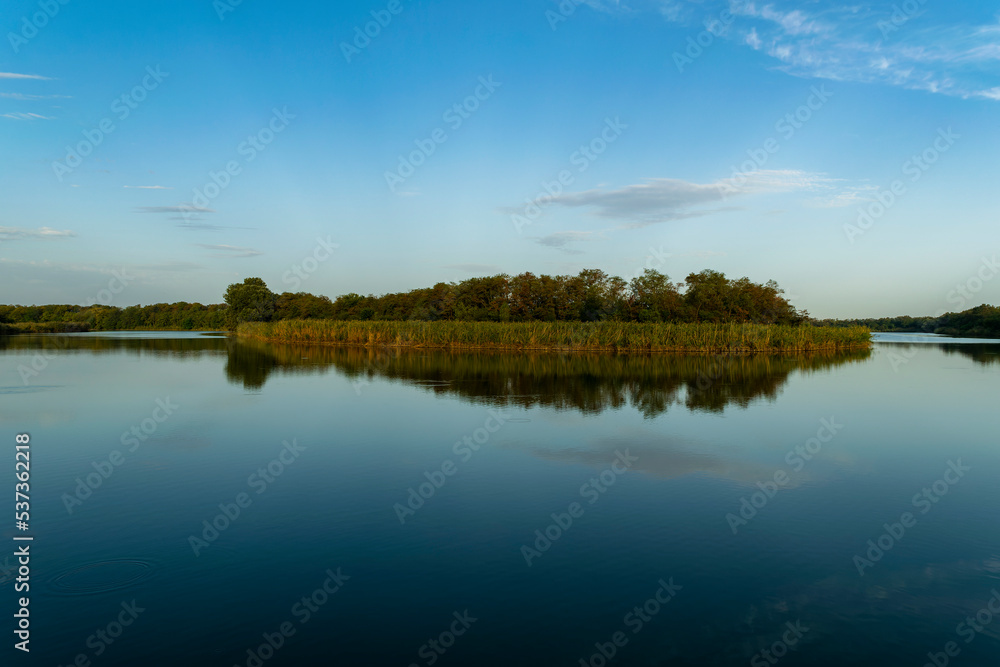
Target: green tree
[708,296]
[653,297]
[250,301]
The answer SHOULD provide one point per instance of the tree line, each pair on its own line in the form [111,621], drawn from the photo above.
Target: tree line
[178,316]
[590,296]
[979,322]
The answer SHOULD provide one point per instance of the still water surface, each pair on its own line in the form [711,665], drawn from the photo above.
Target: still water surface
[711,508]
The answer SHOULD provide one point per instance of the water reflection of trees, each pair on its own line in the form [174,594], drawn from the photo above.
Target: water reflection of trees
[191,346]
[590,383]
[980,353]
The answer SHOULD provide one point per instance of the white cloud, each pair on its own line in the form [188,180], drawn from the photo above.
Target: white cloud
[793,23]
[40,234]
[850,196]
[672,10]
[991,94]
[11,75]
[231,251]
[17,115]
[876,44]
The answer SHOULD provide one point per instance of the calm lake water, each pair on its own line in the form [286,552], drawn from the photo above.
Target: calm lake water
[689,510]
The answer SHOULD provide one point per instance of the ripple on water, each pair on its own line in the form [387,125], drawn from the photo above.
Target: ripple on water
[101,577]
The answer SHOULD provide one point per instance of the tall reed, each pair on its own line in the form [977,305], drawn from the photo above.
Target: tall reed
[702,338]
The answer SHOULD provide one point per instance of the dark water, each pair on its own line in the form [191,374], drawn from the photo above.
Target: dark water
[711,508]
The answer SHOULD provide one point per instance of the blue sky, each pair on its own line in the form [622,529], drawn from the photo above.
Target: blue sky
[743,137]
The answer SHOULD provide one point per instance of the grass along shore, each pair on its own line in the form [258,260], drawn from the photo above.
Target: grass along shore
[612,336]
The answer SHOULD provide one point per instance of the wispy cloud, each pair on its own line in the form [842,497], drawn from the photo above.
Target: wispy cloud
[32,98]
[25,116]
[868,44]
[12,75]
[885,43]
[196,225]
[40,234]
[665,199]
[231,251]
[189,215]
[563,240]
[180,208]
[991,94]
[849,196]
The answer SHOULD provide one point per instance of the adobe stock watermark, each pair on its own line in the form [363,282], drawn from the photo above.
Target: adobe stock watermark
[248,150]
[105,468]
[592,490]
[259,481]
[967,630]
[122,107]
[899,359]
[581,159]
[796,458]
[40,361]
[901,13]
[924,501]
[786,126]
[635,621]
[119,281]
[655,260]
[299,273]
[464,449]
[454,117]
[104,637]
[223,7]
[566,9]
[780,648]
[381,18]
[32,24]
[432,651]
[714,29]
[915,167]
[302,611]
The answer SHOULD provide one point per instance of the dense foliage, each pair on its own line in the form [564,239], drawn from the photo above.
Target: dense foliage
[590,296]
[250,301]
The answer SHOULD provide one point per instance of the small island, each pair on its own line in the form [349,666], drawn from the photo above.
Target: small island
[592,311]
